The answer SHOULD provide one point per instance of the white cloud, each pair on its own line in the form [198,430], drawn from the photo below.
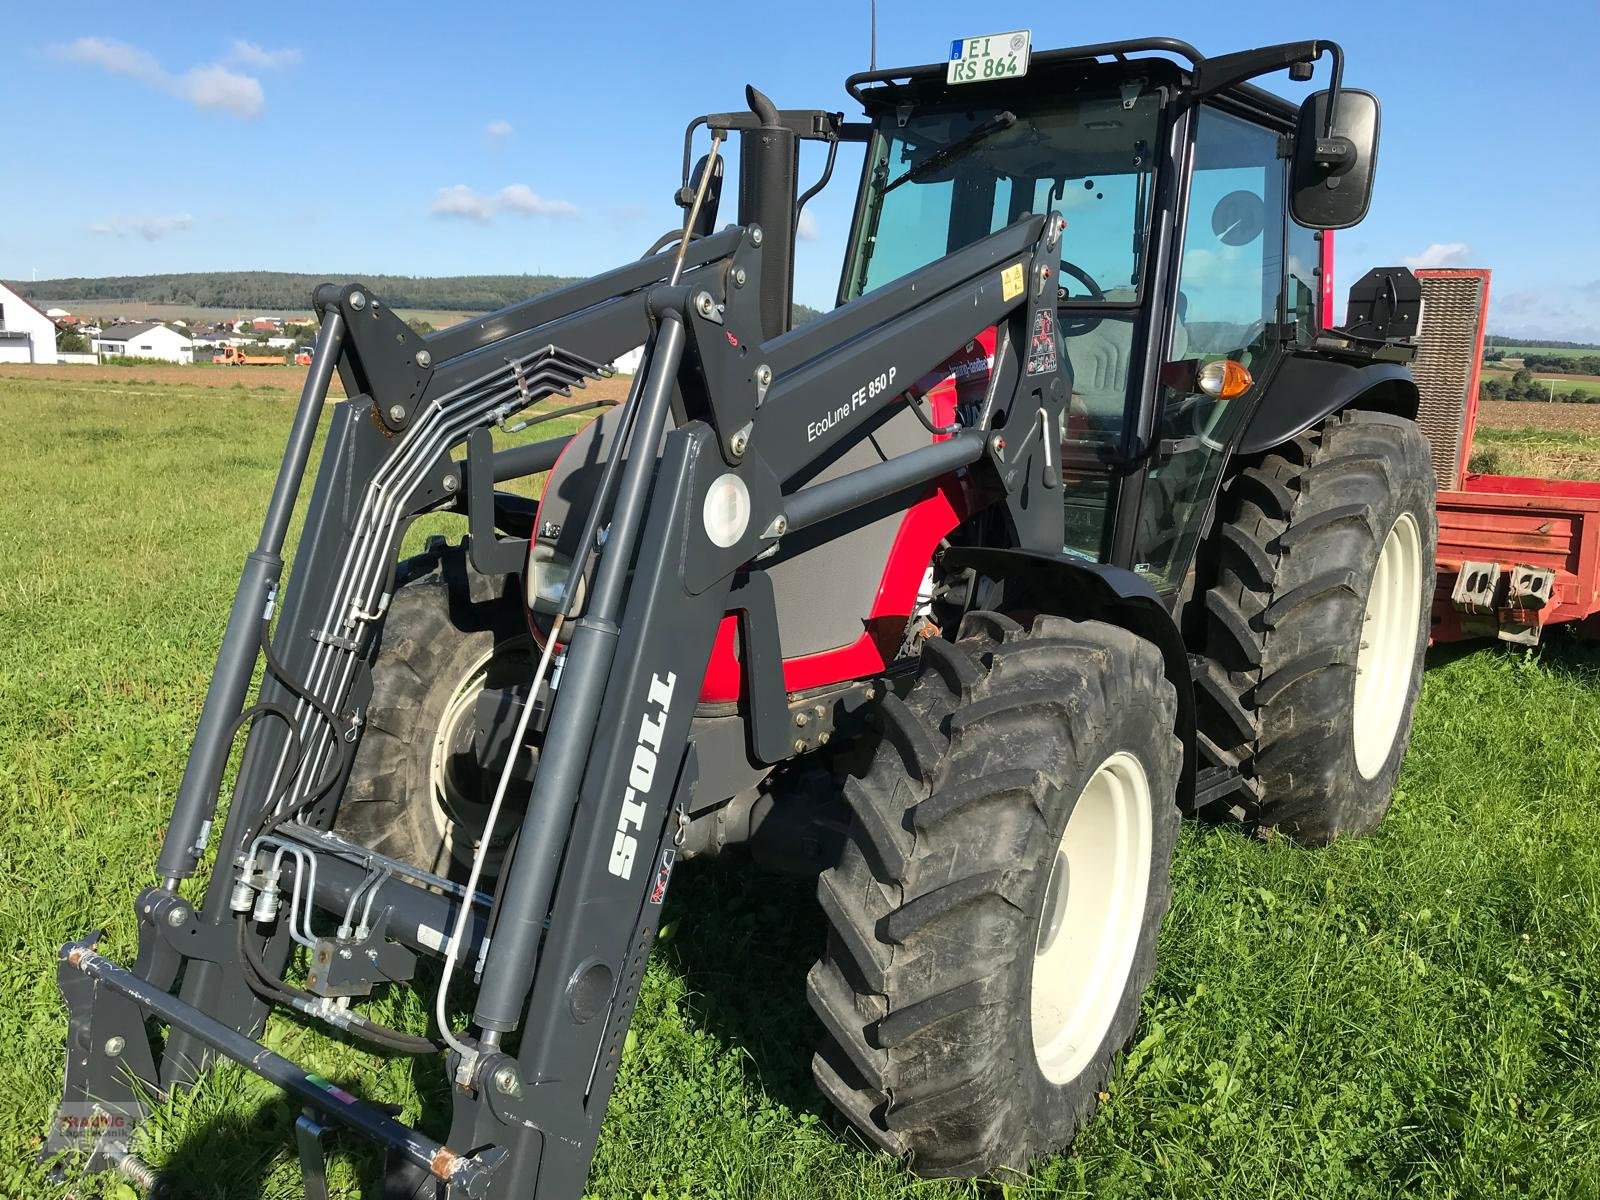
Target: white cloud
[218,87]
[208,87]
[248,54]
[117,57]
[519,198]
[806,228]
[1221,267]
[462,201]
[516,198]
[1440,254]
[498,131]
[149,228]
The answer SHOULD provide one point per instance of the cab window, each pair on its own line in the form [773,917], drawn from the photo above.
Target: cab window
[946,178]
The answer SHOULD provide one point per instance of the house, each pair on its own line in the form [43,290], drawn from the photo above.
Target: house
[26,334]
[144,341]
[628,364]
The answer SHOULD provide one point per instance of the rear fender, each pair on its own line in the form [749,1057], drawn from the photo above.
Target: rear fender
[1309,388]
[1086,591]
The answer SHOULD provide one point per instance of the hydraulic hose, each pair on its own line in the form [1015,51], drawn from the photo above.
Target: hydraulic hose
[263,984]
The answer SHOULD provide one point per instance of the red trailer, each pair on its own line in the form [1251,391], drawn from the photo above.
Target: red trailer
[1515,554]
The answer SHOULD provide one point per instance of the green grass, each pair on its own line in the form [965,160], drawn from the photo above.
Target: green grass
[1413,1014]
[1542,453]
[1561,383]
[1589,387]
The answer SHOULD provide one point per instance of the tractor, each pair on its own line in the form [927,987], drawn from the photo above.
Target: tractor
[1075,515]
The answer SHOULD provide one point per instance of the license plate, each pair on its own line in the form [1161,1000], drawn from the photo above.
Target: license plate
[991,56]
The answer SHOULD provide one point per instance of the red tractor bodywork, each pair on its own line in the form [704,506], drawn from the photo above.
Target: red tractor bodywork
[926,522]
[869,638]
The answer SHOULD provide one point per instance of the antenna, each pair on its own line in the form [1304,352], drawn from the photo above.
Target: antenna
[872,57]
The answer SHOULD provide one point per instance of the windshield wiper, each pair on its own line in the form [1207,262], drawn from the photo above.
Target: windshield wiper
[954,150]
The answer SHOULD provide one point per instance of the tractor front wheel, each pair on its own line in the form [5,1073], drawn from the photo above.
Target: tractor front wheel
[993,915]
[419,789]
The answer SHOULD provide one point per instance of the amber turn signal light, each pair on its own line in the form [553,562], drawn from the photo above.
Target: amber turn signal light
[1224,379]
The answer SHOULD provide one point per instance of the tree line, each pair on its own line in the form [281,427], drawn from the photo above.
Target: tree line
[1500,339]
[1523,386]
[258,291]
[1563,364]
[285,290]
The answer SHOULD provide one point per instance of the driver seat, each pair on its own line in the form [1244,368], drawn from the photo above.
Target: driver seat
[1101,357]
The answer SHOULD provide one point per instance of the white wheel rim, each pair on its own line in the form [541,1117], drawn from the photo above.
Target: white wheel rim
[1388,647]
[1091,918]
[450,805]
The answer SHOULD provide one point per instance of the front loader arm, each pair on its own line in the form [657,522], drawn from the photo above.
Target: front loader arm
[568,939]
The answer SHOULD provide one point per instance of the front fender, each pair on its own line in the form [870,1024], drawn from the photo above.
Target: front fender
[1087,591]
[1309,387]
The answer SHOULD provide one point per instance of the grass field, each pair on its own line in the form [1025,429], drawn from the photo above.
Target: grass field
[1554,441]
[1543,453]
[1586,384]
[1415,1014]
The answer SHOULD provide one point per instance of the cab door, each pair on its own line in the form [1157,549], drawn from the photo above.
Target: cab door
[1230,305]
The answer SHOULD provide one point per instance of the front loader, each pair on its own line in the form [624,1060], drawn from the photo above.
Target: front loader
[1074,514]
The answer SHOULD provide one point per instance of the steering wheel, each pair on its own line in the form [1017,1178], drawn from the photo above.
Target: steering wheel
[1247,339]
[1083,277]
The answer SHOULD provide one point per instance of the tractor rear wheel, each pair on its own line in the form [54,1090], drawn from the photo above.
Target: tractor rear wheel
[1318,621]
[993,915]
[418,790]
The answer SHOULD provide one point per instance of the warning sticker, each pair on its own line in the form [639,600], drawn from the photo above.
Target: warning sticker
[1011,282]
[1042,346]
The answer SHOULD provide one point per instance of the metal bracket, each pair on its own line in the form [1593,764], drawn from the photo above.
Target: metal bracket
[111,1073]
[390,361]
[770,725]
[333,639]
[726,336]
[490,554]
[814,720]
[308,1133]
[351,966]
[1477,584]
[1474,596]
[1529,590]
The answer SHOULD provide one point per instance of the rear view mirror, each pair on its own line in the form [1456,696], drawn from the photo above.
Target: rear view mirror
[706,223]
[1333,169]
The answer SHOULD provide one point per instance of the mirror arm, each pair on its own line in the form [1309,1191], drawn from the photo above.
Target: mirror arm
[1226,70]
[1335,81]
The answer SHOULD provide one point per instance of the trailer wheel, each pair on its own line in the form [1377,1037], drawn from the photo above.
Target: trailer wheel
[994,912]
[1318,621]
[418,791]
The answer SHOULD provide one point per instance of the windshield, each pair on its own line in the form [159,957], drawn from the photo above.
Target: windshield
[946,178]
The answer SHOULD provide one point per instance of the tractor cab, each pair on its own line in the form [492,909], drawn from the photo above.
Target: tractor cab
[1186,273]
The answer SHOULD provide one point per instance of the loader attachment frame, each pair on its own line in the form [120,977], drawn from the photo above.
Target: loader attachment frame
[562,949]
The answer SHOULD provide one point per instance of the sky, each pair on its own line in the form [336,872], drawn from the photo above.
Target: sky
[500,138]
